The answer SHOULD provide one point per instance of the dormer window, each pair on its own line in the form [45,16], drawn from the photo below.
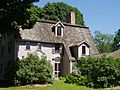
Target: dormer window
[57,29]
[83,50]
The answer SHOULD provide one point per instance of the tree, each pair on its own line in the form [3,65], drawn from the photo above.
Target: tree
[13,13]
[59,11]
[34,13]
[103,42]
[116,43]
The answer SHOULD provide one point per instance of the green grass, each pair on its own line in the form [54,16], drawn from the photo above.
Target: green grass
[58,85]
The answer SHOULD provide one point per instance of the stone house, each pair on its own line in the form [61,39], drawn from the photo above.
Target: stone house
[62,44]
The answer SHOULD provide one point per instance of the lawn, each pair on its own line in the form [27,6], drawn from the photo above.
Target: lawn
[58,85]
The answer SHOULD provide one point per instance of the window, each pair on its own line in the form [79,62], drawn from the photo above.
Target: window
[57,48]
[28,45]
[53,30]
[59,31]
[39,46]
[53,50]
[83,50]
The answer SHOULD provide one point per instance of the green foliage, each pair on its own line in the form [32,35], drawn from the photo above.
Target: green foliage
[59,11]
[32,70]
[116,43]
[16,13]
[34,13]
[104,42]
[101,72]
[79,80]
[13,14]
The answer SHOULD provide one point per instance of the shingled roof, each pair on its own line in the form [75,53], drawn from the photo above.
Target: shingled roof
[115,54]
[42,31]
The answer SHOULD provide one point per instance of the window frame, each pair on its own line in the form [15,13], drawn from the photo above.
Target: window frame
[28,45]
[59,30]
[83,50]
[39,46]
[57,48]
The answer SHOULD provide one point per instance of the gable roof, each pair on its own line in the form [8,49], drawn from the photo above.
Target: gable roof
[59,22]
[79,43]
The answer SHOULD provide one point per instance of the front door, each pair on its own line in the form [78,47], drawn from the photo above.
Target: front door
[57,70]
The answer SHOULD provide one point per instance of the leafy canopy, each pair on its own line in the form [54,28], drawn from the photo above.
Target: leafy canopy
[59,11]
[103,42]
[117,40]
[13,13]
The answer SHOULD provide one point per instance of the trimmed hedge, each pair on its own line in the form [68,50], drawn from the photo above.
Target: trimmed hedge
[32,70]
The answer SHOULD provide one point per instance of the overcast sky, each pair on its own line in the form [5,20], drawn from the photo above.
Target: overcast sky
[102,15]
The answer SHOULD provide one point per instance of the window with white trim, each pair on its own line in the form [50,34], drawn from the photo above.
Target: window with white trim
[39,46]
[83,50]
[59,31]
[28,45]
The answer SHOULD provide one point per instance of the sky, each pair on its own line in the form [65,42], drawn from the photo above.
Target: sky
[102,15]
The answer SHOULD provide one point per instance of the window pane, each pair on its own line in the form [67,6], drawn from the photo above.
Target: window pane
[57,48]
[58,66]
[83,50]
[58,30]
[55,66]
[27,45]
[39,46]
[58,74]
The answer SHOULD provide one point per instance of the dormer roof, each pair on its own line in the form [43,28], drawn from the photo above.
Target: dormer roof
[79,43]
[58,23]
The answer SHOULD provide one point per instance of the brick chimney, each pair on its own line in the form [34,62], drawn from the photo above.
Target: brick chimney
[71,18]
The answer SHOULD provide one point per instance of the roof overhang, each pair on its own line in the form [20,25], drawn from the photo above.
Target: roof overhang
[79,44]
[59,22]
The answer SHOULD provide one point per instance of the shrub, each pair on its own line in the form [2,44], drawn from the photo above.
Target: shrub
[32,70]
[79,80]
[101,72]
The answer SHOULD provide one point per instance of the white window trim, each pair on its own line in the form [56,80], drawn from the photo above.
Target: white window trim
[26,46]
[39,49]
[56,31]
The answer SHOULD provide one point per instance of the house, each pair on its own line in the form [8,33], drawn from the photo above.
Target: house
[62,44]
